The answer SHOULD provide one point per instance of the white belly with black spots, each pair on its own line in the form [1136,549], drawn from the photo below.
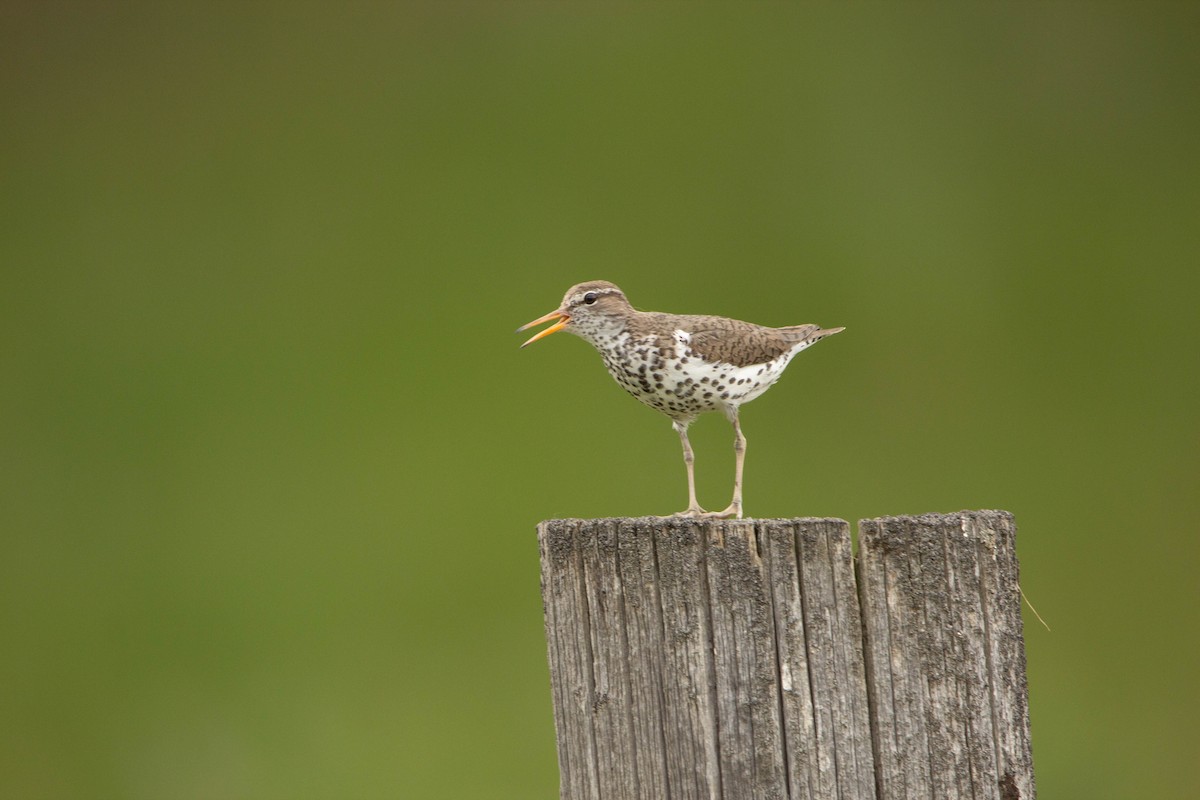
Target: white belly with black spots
[673,379]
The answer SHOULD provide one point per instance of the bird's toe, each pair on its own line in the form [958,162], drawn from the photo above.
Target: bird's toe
[692,512]
[733,512]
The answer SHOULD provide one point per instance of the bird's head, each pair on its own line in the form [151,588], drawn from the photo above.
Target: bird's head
[587,309]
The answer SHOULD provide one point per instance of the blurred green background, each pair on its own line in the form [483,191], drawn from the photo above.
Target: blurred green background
[272,460]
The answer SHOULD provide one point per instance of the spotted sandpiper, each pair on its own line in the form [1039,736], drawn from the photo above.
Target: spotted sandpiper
[681,365]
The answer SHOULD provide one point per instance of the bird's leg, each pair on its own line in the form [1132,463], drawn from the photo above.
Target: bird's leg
[739,449]
[689,459]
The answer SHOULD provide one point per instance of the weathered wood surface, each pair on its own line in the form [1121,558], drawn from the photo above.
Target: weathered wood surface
[729,659]
[706,659]
[945,656]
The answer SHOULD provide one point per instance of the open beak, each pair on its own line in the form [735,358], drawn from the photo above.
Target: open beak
[562,318]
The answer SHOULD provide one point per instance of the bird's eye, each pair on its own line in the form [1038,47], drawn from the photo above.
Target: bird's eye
[589,298]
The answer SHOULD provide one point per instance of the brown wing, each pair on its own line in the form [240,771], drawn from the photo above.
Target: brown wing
[742,344]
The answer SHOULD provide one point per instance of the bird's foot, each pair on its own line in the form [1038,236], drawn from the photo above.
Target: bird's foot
[734,511]
[696,512]
[692,512]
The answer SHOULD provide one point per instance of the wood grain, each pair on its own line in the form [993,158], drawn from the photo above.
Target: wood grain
[749,660]
[716,659]
[945,656]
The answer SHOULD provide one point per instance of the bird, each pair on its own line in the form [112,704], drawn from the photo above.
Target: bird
[681,365]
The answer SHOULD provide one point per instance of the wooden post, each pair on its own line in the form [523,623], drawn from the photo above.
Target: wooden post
[728,659]
[946,656]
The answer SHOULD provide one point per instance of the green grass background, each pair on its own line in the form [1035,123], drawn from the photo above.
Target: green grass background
[271,461]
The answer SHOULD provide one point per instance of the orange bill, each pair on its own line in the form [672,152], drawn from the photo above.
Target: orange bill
[562,318]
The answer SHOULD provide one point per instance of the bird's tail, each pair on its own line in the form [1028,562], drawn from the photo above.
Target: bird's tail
[810,334]
[821,334]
